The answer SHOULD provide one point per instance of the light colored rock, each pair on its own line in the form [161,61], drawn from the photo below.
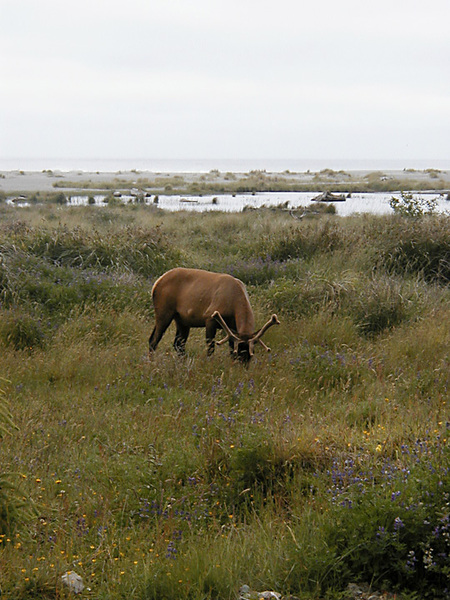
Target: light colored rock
[73,581]
[245,593]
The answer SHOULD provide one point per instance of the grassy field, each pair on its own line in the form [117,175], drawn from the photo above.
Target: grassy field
[323,463]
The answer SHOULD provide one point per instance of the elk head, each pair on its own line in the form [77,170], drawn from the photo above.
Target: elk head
[244,346]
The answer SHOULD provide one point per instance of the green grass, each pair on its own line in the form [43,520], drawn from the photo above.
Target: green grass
[323,463]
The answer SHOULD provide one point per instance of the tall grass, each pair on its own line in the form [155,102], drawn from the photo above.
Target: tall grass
[323,463]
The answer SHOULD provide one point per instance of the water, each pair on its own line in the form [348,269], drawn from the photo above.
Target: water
[358,203]
[374,203]
[159,165]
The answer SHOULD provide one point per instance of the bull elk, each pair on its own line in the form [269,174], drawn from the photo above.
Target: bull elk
[196,298]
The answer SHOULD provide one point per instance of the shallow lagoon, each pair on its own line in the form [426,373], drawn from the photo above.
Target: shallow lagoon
[372,203]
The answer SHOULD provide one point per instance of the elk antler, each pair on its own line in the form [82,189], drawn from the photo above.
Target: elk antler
[257,337]
[251,342]
[272,321]
[216,315]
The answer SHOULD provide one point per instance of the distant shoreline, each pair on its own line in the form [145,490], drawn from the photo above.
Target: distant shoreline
[204,165]
[218,182]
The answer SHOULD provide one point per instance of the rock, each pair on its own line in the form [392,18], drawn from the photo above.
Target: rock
[354,590]
[363,592]
[245,593]
[73,581]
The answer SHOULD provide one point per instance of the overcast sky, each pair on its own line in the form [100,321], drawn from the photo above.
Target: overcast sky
[225,79]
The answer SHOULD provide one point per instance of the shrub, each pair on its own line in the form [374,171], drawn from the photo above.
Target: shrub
[391,524]
[379,305]
[253,464]
[412,206]
[9,505]
[287,298]
[59,198]
[310,293]
[416,246]
[143,251]
[256,271]
[6,422]
[324,368]
[21,331]
[10,501]
[305,242]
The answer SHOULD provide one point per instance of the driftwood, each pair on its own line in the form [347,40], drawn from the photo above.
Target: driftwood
[329,197]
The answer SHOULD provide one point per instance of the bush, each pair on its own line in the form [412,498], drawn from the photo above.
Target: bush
[324,368]
[59,198]
[6,422]
[380,305]
[21,331]
[257,271]
[306,242]
[416,246]
[390,524]
[310,293]
[411,206]
[10,501]
[140,250]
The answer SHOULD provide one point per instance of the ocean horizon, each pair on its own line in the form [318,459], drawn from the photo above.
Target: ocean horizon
[159,165]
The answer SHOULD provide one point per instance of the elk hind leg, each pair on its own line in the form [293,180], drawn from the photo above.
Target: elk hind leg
[181,337]
[162,323]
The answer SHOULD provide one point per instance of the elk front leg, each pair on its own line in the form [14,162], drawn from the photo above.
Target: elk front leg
[211,328]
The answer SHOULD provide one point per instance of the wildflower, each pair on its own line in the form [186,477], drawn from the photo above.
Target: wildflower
[411,562]
[428,558]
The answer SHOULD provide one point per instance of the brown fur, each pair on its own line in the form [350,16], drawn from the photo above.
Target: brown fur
[191,297]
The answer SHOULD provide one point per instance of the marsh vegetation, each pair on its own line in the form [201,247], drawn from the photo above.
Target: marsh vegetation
[323,463]
[254,181]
